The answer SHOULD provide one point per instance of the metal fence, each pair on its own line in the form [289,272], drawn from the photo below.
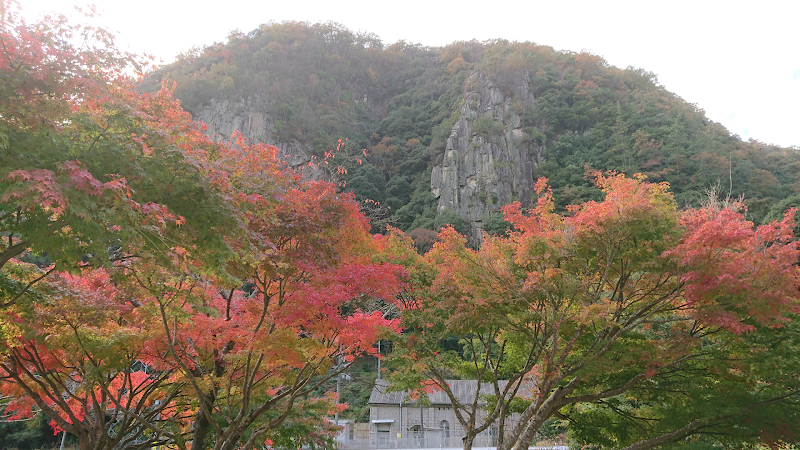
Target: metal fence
[416,442]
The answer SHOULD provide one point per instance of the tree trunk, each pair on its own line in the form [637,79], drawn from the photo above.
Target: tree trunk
[201,424]
[524,440]
[201,429]
[90,441]
[468,440]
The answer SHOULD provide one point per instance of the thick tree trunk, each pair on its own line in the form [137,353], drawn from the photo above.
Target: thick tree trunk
[534,416]
[202,425]
[90,441]
[526,437]
[468,440]
[201,428]
[524,440]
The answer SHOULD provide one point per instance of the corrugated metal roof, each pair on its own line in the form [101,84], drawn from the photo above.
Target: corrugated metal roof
[464,390]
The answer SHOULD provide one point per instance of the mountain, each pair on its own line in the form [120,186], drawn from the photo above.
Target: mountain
[453,133]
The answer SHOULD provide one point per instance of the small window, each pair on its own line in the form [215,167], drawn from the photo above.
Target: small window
[445,428]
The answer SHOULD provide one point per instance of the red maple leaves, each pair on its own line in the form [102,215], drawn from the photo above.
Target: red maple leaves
[737,275]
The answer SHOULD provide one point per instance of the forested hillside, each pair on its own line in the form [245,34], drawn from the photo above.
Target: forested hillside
[303,86]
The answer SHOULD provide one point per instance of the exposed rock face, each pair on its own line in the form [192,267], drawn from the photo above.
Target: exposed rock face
[487,162]
[252,120]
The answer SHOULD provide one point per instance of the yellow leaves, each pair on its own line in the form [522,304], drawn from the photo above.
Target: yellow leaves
[11,330]
[456,65]
[598,314]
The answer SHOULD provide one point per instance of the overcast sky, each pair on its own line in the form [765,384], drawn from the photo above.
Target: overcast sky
[737,60]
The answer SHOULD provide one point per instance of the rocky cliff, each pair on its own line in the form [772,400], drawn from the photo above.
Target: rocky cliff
[489,160]
[251,119]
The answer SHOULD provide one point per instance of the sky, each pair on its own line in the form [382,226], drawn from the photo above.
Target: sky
[737,60]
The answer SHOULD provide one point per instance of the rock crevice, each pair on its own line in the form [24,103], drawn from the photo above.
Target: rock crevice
[488,160]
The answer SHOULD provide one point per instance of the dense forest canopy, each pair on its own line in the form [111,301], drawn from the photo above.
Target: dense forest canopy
[321,82]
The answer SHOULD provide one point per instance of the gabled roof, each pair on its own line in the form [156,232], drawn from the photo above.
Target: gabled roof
[464,390]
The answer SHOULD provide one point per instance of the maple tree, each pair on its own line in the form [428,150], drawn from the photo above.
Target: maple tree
[627,307]
[93,174]
[79,354]
[251,355]
[436,324]
[74,348]
[89,167]
[223,364]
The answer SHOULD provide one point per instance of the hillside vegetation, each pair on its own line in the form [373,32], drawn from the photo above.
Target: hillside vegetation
[317,83]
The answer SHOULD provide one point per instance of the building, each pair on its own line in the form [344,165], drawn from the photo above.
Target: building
[397,422]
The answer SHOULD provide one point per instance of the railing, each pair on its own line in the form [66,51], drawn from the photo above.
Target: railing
[410,443]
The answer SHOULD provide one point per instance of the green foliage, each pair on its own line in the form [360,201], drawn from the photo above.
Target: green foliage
[319,82]
[420,211]
[712,390]
[777,211]
[356,389]
[488,127]
[366,182]
[31,434]
[495,225]
[448,217]
[398,192]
